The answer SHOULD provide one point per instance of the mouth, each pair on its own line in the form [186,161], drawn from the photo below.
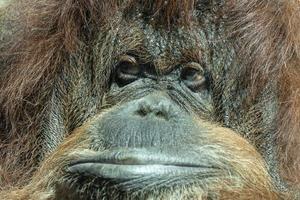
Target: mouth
[129,164]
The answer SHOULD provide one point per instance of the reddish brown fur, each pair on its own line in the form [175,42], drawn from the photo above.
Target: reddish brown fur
[46,32]
[272,38]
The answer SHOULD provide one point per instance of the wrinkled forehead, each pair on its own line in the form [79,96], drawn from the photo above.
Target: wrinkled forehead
[163,32]
[160,45]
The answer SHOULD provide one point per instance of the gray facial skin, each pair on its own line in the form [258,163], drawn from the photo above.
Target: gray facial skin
[135,106]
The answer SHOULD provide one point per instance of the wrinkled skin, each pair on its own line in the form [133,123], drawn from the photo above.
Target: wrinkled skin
[158,111]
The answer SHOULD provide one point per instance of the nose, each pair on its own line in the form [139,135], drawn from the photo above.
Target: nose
[154,105]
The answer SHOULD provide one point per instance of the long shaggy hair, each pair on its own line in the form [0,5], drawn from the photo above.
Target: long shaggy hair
[38,37]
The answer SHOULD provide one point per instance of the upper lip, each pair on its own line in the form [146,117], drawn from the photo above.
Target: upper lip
[143,157]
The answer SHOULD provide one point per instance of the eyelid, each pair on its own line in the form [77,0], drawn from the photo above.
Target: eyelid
[193,75]
[196,66]
[127,58]
[127,70]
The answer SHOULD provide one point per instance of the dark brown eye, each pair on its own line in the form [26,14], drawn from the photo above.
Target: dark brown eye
[127,70]
[193,76]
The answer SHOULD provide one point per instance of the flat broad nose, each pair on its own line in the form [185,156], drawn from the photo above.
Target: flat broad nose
[154,106]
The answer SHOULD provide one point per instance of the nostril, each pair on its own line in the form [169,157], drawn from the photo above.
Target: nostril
[159,110]
[143,110]
[161,114]
[141,113]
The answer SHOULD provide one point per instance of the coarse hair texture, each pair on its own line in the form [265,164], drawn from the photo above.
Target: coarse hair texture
[39,36]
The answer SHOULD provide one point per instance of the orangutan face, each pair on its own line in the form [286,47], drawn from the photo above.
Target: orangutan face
[171,104]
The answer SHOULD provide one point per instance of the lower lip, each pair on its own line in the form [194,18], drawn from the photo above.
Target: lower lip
[117,171]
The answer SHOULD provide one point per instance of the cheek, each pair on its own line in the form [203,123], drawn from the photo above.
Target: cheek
[71,148]
[235,153]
